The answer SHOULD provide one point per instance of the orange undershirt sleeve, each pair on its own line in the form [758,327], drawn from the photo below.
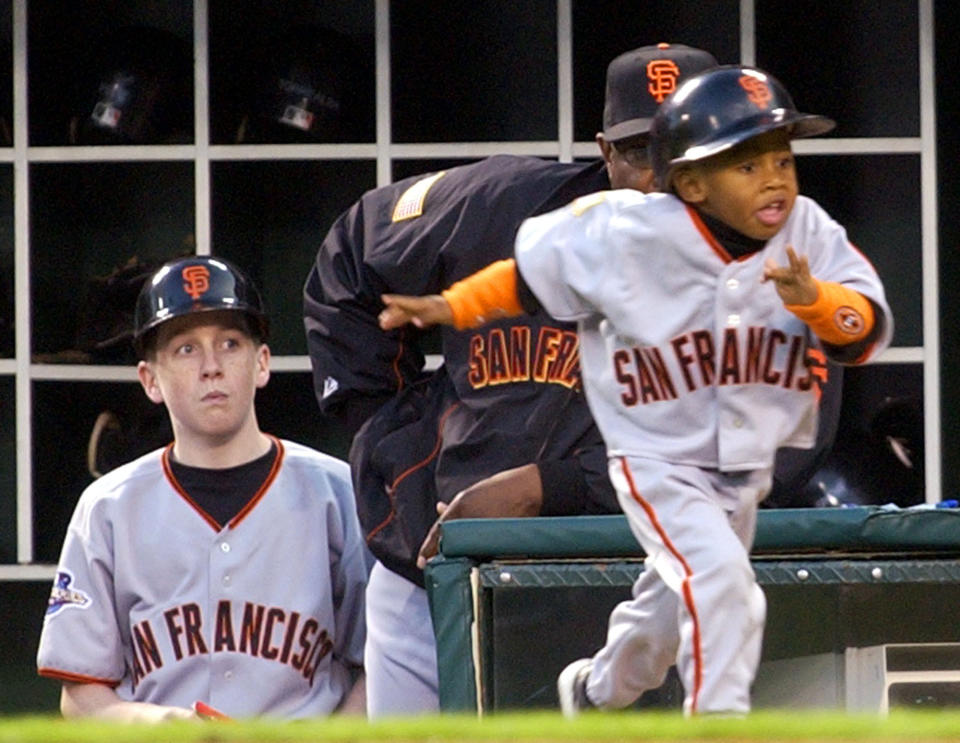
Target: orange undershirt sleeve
[839,316]
[484,296]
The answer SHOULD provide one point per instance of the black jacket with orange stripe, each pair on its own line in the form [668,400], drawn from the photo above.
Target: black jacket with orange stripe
[508,394]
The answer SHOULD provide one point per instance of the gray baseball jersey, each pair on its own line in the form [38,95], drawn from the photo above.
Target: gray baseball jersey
[686,355]
[261,617]
[695,373]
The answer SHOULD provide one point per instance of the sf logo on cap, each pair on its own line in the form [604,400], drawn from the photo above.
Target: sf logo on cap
[757,91]
[662,74]
[196,280]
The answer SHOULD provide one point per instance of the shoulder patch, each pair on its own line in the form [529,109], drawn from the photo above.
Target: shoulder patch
[581,204]
[62,596]
[410,203]
[848,320]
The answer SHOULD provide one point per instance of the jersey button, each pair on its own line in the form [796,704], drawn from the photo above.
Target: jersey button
[733,320]
[738,422]
[226,580]
[228,675]
[224,547]
[732,284]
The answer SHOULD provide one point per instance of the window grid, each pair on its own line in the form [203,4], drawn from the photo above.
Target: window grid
[385,152]
[928,216]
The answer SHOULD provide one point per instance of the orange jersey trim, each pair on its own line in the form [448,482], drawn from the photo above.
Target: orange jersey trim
[76,678]
[174,483]
[486,295]
[840,315]
[707,235]
[685,586]
[268,481]
[214,524]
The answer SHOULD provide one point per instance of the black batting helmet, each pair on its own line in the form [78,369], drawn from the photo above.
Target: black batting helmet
[196,284]
[137,88]
[305,86]
[718,109]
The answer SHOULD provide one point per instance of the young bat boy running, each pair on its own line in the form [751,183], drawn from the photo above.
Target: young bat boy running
[705,315]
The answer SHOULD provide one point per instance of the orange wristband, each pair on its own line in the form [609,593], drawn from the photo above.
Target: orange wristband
[839,316]
[486,295]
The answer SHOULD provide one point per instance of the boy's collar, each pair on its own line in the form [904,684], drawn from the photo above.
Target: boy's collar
[735,242]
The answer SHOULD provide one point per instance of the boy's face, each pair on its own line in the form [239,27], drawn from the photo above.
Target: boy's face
[207,369]
[751,187]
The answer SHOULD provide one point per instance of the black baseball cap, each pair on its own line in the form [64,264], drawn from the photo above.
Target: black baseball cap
[639,80]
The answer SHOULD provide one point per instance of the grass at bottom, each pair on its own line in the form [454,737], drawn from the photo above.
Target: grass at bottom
[915,726]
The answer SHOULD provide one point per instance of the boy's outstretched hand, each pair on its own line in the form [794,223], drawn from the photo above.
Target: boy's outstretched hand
[423,312]
[794,283]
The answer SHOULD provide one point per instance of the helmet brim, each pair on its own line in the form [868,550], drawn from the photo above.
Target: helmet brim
[799,125]
[626,129]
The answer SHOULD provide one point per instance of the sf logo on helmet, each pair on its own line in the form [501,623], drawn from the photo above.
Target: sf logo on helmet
[758,92]
[196,280]
[662,74]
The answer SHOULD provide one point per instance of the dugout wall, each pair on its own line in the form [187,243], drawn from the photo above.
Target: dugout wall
[514,600]
[440,83]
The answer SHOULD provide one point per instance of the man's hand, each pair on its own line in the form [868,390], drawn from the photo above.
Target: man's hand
[423,312]
[509,494]
[794,283]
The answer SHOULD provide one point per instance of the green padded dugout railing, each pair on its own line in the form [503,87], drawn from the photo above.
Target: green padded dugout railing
[858,529]
[833,577]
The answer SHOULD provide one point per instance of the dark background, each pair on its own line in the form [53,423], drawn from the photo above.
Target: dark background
[461,71]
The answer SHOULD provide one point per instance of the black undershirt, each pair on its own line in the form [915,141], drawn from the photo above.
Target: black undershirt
[222,493]
[735,243]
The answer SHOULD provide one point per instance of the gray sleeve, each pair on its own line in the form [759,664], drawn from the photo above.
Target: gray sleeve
[81,639]
[841,261]
[560,256]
